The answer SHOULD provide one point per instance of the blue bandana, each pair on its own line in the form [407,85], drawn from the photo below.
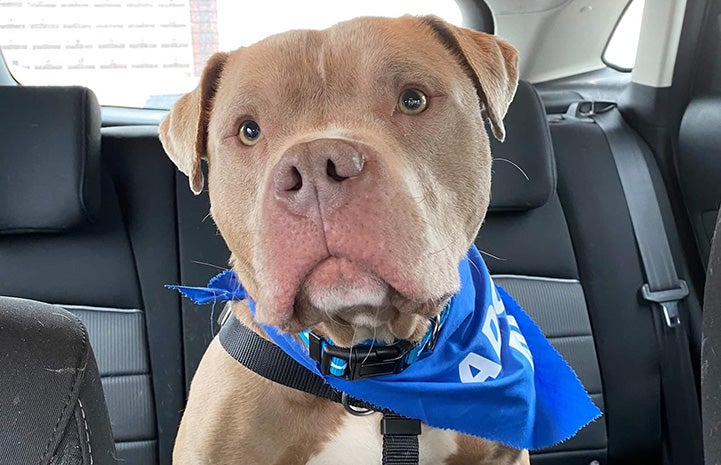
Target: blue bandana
[491,373]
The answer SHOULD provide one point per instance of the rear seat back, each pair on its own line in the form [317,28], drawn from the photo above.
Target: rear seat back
[87,233]
[612,274]
[527,245]
[698,167]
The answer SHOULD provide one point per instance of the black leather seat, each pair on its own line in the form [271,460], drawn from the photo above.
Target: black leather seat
[52,409]
[699,145]
[96,235]
[611,273]
[529,250]
[711,371]
[559,237]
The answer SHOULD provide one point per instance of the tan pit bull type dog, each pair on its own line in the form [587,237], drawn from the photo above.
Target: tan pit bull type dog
[349,172]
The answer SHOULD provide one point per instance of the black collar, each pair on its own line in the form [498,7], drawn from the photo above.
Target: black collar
[400,434]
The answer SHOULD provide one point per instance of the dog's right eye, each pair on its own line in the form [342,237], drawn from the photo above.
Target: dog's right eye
[249,132]
[412,101]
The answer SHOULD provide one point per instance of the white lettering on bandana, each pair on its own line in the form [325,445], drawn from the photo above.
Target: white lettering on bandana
[475,368]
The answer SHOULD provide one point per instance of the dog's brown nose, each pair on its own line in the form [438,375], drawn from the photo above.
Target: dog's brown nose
[319,174]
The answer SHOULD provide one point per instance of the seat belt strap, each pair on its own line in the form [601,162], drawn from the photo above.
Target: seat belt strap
[400,434]
[663,288]
[711,353]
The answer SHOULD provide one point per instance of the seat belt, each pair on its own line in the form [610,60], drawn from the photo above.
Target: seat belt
[711,353]
[663,289]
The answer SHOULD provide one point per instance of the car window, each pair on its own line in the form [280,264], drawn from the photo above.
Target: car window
[142,53]
[620,52]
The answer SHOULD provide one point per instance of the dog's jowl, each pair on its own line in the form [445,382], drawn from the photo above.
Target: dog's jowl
[349,172]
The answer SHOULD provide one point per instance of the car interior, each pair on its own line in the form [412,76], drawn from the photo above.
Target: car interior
[97,356]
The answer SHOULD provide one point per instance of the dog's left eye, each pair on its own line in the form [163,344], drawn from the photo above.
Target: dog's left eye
[412,101]
[249,132]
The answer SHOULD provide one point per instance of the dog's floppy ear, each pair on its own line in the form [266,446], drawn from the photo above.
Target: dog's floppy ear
[184,132]
[492,64]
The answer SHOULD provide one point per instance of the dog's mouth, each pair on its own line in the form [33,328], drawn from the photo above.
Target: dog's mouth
[339,284]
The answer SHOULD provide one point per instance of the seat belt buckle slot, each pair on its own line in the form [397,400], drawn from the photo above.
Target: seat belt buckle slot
[668,301]
[584,110]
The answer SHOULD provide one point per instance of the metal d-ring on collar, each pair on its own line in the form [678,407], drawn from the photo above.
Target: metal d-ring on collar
[353,410]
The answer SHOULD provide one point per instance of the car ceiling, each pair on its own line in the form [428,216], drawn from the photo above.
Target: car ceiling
[557,38]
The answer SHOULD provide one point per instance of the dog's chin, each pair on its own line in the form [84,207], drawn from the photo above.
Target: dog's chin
[337,284]
[348,303]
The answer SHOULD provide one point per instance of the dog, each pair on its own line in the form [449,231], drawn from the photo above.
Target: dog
[349,171]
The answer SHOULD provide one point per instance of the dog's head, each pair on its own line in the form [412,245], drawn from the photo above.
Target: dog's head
[349,168]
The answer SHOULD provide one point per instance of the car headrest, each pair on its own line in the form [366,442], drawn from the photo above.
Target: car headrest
[49,158]
[524,168]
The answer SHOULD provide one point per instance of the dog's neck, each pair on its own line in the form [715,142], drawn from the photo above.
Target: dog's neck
[410,327]
[404,327]
[397,319]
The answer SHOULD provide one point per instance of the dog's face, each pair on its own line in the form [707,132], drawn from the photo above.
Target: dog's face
[349,168]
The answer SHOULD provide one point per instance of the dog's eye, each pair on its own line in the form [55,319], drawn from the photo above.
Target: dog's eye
[249,132]
[412,101]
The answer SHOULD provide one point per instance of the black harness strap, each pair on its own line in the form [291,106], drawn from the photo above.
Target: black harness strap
[269,361]
[400,439]
[400,434]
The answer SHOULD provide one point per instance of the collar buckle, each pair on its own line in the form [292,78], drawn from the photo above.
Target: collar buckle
[360,361]
[436,324]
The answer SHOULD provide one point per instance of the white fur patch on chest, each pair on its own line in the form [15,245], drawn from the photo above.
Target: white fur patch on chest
[359,441]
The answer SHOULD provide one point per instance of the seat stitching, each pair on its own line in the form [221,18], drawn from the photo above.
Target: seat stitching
[74,386]
[87,431]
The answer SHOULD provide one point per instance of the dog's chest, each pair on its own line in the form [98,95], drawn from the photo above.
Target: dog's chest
[358,441]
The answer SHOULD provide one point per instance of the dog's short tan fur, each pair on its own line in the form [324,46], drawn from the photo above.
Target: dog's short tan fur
[371,252]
